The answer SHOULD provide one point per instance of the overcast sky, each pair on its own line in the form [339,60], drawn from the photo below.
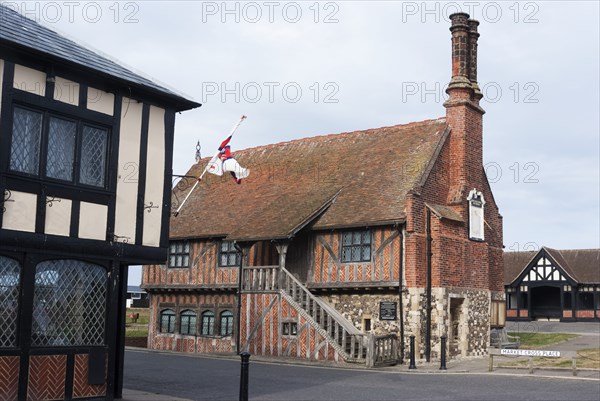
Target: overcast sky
[301,69]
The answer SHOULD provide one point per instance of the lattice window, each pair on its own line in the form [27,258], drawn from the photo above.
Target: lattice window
[65,144]
[226,327]
[9,301]
[356,246]
[26,138]
[61,149]
[167,321]
[228,254]
[69,304]
[93,156]
[208,323]
[179,254]
[187,323]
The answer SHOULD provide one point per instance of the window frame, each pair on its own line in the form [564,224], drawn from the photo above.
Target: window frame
[289,328]
[350,247]
[230,250]
[184,254]
[229,329]
[192,328]
[41,171]
[208,313]
[172,319]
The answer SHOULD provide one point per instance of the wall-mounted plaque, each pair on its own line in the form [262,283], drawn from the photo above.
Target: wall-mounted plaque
[387,310]
[476,216]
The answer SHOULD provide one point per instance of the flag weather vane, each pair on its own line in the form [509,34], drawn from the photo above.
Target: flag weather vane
[222,161]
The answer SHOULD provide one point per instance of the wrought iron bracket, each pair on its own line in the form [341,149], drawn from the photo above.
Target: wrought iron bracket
[51,199]
[118,238]
[6,198]
[150,206]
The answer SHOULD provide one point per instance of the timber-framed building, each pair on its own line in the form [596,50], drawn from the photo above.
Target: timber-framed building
[553,284]
[85,183]
[349,243]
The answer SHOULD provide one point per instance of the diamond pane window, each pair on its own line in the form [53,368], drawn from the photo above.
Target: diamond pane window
[61,149]
[9,301]
[167,321]
[41,139]
[188,322]
[356,246]
[69,304]
[229,255]
[26,139]
[93,156]
[226,323]
[179,254]
[208,323]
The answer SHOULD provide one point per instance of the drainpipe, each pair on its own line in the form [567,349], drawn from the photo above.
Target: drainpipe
[400,306]
[243,250]
[428,324]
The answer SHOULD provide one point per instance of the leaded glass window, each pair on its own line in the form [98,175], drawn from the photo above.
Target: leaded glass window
[167,321]
[93,156]
[61,149]
[26,138]
[208,323]
[69,304]
[58,144]
[226,327]
[228,254]
[356,246]
[188,322]
[179,254]
[9,301]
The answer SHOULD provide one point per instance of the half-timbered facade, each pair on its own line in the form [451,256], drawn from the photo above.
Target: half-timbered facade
[348,243]
[553,284]
[80,202]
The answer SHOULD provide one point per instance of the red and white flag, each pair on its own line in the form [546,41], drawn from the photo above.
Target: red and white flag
[224,161]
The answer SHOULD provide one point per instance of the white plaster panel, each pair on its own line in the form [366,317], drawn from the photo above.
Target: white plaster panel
[66,91]
[102,102]
[30,80]
[92,221]
[58,217]
[129,156]
[155,173]
[20,212]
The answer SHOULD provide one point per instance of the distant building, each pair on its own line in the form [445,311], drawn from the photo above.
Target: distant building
[85,182]
[389,232]
[136,297]
[553,284]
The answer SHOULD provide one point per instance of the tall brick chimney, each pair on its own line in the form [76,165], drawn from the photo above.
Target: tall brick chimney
[463,113]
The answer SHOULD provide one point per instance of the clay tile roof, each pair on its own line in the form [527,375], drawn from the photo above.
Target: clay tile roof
[581,264]
[444,212]
[354,179]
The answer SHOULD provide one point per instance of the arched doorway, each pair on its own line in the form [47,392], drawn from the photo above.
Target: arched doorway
[545,302]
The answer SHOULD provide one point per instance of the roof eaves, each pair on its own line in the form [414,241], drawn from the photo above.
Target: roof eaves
[367,224]
[443,212]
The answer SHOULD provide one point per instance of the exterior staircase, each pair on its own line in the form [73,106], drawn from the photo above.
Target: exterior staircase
[351,342]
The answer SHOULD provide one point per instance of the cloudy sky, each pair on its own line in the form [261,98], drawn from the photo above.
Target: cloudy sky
[300,69]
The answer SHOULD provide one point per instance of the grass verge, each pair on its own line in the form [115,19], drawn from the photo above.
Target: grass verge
[537,340]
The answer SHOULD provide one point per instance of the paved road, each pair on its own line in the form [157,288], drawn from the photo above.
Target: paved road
[198,378]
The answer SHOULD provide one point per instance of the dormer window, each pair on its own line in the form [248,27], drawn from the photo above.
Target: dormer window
[58,148]
[356,246]
[228,254]
[179,254]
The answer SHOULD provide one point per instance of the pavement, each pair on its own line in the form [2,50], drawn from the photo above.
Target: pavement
[589,337]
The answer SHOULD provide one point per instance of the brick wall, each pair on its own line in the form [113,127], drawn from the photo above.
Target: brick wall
[385,265]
